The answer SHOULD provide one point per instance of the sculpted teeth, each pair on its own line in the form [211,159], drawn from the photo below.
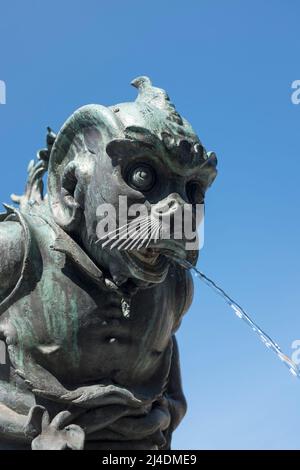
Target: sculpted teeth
[147,256]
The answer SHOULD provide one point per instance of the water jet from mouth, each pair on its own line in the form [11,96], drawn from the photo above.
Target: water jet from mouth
[242,315]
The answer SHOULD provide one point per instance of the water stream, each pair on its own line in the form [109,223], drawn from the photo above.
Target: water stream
[242,315]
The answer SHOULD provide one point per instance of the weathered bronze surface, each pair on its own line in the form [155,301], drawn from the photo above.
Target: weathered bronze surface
[92,359]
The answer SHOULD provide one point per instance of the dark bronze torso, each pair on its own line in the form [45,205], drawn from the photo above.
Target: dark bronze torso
[92,355]
[73,325]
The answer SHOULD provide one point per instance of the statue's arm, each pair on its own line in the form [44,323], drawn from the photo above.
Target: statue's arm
[12,425]
[11,256]
[11,261]
[176,398]
[174,394]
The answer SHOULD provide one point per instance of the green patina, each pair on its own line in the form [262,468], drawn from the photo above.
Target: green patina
[75,325]
[65,330]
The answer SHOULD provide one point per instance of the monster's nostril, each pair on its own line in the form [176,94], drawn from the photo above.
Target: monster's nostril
[173,205]
[166,209]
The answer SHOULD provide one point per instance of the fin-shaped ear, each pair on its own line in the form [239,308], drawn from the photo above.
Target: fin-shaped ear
[86,132]
[68,187]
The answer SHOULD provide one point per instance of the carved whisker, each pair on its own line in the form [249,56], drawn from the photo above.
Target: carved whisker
[157,233]
[143,230]
[115,232]
[136,242]
[132,247]
[109,234]
[119,236]
[111,238]
[121,230]
[131,231]
[115,244]
[153,227]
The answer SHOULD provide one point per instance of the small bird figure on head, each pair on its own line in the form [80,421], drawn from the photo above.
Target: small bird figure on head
[155,97]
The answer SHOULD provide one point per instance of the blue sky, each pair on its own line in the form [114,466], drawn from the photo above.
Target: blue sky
[228,66]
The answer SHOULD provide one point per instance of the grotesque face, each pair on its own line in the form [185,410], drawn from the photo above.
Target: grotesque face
[140,153]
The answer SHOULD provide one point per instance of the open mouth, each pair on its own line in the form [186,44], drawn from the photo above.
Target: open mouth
[148,256]
[149,260]
[147,264]
[152,263]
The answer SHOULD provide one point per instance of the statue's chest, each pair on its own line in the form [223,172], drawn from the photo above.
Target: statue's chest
[77,330]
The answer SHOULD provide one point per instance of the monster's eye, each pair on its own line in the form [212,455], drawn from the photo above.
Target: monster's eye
[141,177]
[195,192]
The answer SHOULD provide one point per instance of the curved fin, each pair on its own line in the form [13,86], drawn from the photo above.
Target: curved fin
[34,190]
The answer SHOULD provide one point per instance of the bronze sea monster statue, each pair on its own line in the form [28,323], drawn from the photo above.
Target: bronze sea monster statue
[91,355]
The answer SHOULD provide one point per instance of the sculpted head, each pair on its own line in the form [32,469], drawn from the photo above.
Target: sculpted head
[143,150]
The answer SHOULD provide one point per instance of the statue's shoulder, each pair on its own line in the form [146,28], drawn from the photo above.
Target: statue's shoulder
[12,251]
[23,237]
